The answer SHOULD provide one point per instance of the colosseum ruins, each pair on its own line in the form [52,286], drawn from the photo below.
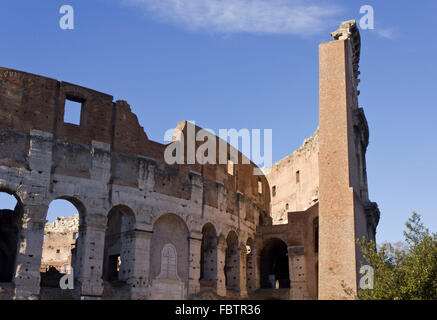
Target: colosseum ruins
[146,229]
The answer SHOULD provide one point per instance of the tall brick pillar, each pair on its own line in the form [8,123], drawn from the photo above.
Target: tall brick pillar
[338,71]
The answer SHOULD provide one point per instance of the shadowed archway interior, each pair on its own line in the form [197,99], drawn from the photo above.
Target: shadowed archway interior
[274,265]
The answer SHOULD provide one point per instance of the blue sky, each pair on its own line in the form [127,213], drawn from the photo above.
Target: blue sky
[249,64]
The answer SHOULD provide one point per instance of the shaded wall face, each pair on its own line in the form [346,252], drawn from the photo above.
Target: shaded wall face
[294,181]
[169,230]
[303,231]
[119,222]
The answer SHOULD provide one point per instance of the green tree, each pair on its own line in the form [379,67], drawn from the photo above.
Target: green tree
[403,271]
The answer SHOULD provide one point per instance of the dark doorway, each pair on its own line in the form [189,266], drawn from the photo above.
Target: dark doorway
[10,223]
[274,265]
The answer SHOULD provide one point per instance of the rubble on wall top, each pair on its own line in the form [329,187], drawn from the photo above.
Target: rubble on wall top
[349,30]
[63,224]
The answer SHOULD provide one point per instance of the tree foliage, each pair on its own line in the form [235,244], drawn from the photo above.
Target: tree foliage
[403,271]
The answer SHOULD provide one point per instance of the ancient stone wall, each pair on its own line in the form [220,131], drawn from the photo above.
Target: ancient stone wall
[107,161]
[294,181]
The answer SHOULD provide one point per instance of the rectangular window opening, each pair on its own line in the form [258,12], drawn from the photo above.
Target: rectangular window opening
[274,191]
[260,187]
[297,176]
[230,167]
[72,111]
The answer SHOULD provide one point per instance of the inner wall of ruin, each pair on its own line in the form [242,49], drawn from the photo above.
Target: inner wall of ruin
[294,181]
[107,162]
[60,240]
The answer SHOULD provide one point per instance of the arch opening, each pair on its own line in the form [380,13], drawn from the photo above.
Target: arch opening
[10,224]
[208,256]
[274,265]
[61,237]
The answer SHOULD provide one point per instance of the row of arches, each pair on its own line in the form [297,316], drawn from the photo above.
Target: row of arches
[272,264]
[169,248]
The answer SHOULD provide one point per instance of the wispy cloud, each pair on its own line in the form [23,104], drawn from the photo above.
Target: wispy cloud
[298,17]
[387,33]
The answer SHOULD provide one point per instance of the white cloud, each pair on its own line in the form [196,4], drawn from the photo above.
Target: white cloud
[250,16]
[388,33]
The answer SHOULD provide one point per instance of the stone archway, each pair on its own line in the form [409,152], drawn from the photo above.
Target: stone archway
[274,265]
[61,232]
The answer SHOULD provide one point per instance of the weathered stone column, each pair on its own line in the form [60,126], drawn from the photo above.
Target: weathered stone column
[252,271]
[296,266]
[221,258]
[127,256]
[195,243]
[139,264]
[28,260]
[35,205]
[89,260]
[243,271]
